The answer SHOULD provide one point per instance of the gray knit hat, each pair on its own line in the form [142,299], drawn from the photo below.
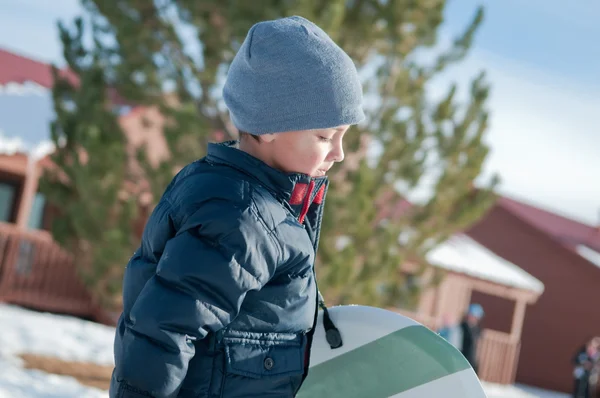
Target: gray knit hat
[289,75]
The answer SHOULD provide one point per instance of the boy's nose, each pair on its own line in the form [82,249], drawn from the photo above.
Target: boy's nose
[337,154]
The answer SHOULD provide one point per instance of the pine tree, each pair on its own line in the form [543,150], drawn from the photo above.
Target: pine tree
[88,173]
[174,54]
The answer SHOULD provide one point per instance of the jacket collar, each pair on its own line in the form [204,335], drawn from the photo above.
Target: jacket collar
[287,186]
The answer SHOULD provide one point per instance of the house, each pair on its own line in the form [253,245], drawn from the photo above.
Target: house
[471,270]
[34,270]
[564,254]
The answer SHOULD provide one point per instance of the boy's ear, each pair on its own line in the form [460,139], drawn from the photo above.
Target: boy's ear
[267,137]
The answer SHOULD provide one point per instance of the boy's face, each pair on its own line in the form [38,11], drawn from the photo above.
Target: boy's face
[473,320]
[311,152]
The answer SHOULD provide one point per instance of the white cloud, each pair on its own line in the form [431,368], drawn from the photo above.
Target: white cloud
[541,134]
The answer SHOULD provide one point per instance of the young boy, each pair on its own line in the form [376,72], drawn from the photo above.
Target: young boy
[220,300]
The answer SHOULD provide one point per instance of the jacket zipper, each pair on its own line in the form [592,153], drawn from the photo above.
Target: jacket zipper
[306,202]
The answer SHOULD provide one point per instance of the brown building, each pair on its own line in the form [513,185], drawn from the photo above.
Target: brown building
[564,255]
[472,272]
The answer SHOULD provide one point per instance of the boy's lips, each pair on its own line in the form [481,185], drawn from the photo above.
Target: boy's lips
[321,171]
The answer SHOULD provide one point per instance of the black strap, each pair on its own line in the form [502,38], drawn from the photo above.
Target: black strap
[332,334]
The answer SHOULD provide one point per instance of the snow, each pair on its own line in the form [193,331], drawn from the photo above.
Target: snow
[67,338]
[64,337]
[462,254]
[23,89]
[498,390]
[10,145]
[589,254]
[13,145]
[25,331]
[18,382]
[519,391]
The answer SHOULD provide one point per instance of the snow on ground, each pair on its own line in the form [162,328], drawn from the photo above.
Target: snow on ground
[24,331]
[63,337]
[519,391]
[71,339]
[18,382]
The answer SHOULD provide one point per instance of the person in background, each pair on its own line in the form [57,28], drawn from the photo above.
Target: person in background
[445,329]
[584,362]
[464,336]
[471,333]
[450,331]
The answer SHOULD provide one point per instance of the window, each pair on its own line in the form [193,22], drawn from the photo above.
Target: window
[7,200]
[411,281]
[36,216]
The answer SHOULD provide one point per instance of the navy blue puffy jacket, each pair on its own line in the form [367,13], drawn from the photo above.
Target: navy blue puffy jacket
[220,299]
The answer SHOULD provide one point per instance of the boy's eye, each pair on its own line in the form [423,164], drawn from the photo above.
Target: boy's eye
[324,139]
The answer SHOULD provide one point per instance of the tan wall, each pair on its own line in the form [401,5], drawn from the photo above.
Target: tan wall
[14,164]
[144,126]
[449,300]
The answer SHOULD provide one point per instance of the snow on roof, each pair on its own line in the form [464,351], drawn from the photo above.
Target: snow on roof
[462,254]
[10,145]
[26,88]
[15,145]
[589,254]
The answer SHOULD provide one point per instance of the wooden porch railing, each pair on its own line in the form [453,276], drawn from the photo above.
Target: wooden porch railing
[498,352]
[36,272]
[498,355]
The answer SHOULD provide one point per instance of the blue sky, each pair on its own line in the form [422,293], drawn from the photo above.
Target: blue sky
[542,59]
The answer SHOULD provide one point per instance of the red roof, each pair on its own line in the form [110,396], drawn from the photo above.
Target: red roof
[563,229]
[20,69]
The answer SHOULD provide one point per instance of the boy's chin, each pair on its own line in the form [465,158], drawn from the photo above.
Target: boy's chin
[319,173]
